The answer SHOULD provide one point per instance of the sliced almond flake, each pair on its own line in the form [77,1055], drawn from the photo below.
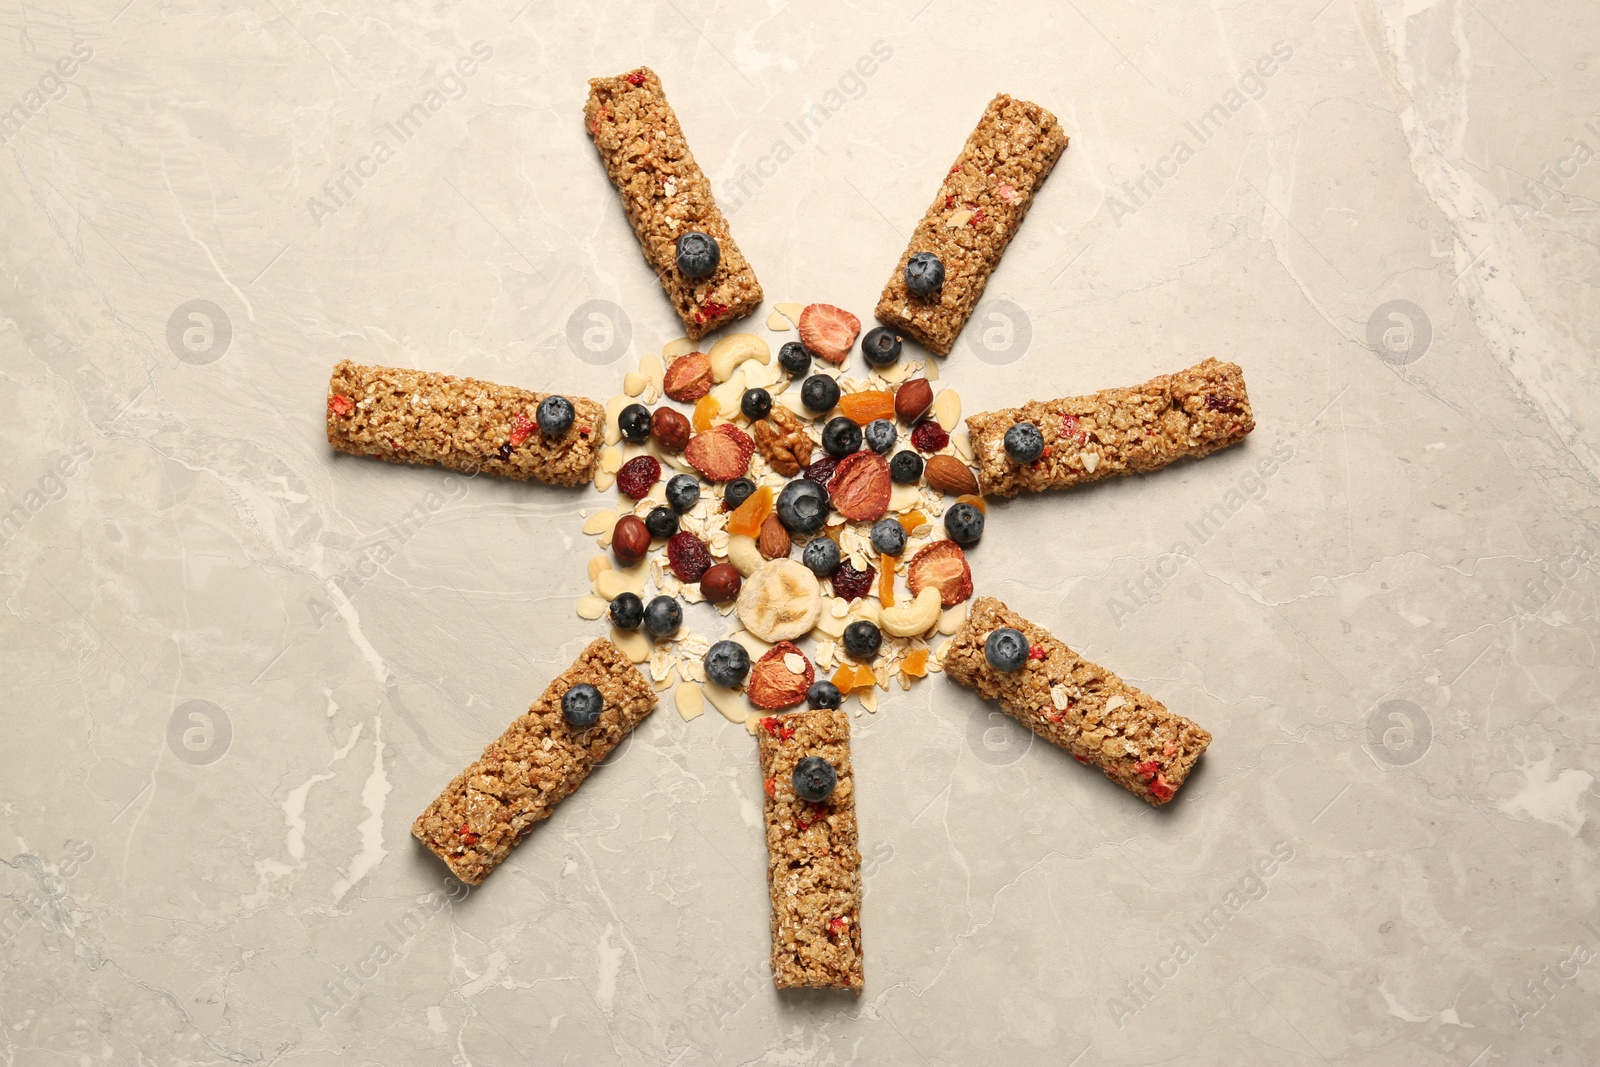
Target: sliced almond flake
[869,699]
[1114,703]
[830,625]
[795,664]
[631,643]
[790,311]
[598,564]
[660,663]
[611,460]
[903,498]
[959,219]
[663,684]
[603,539]
[752,723]
[690,701]
[730,702]
[611,584]
[961,441]
[838,607]
[633,383]
[614,408]
[752,644]
[930,369]
[1090,460]
[947,409]
[779,323]
[679,347]
[591,606]
[1059,697]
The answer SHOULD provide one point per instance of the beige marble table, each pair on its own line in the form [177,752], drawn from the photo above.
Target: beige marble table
[237,665]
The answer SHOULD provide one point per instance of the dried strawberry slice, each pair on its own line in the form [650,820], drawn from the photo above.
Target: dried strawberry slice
[521,429]
[710,310]
[687,556]
[638,475]
[828,332]
[943,566]
[949,202]
[722,453]
[821,471]
[1069,428]
[851,583]
[341,405]
[977,217]
[928,436]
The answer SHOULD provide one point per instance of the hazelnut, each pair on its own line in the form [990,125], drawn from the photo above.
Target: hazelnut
[671,428]
[630,540]
[721,583]
[913,399]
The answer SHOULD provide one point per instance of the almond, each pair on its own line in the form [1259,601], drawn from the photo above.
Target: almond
[913,399]
[722,453]
[942,566]
[773,685]
[860,486]
[688,378]
[773,541]
[949,475]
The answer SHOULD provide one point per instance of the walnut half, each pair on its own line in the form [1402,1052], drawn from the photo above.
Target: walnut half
[781,437]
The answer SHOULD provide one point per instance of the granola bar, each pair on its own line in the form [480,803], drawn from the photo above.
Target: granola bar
[1190,413]
[978,210]
[533,766]
[1082,707]
[813,862]
[411,416]
[666,195]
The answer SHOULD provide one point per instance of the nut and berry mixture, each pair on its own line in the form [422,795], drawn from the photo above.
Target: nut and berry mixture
[794,461]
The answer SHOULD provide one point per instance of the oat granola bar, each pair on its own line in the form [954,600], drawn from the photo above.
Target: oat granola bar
[1140,428]
[813,862]
[1082,707]
[411,416]
[533,766]
[666,195]
[977,211]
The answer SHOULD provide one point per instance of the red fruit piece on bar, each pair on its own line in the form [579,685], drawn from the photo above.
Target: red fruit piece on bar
[341,405]
[828,332]
[928,436]
[722,453]
[638,475]
[521,429]
[687,556]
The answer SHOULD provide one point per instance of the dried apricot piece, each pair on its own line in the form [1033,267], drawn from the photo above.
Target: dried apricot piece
[868,406]
[705,409]
[844,679]
[911,520]
[748,517]
[974,500]
[915,665]
[886,579]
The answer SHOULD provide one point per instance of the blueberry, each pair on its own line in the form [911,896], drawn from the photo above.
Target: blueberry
[881,346]
[581,705]
[841,437]
[634,422]
[683,492]
[822,556]
[1024,442]
[627,611]
[794,358]
[1006,649]
[924,275]
[964,524]
[737,492]
[824,695]
[880,436]
[755,403]
[803,507]
[906,467]
[888,536]
[814,779]
[862,638]
[698,255]
[727,663]
[555,415]
[661,522]
[663,615]
[819,393]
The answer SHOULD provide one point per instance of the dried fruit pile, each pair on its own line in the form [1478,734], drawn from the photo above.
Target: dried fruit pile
[809,502]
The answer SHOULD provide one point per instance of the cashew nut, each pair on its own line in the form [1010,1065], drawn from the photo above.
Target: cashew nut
[915,618]
[735,349]
[744,555]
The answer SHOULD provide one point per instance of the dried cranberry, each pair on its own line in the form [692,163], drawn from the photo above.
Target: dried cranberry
[1225,404]
[341,405]
[504,452]
[638,475]
[636,78]
[838,926]
[928,436]
[1037,652]
[687,556]
[851,583]
[466,835]
[1069,428]
[821,471]
[710,310]
[977,217]
[949,202]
